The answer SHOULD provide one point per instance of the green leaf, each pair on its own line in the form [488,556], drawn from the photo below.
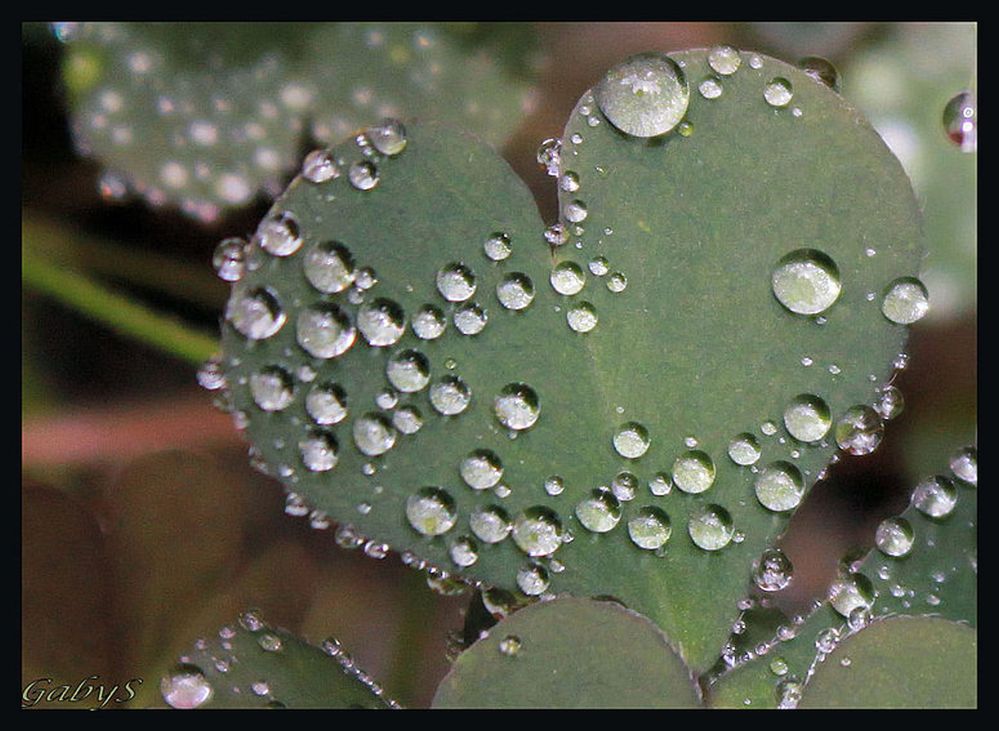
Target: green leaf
[207,116]
[690,347]
[937,576]
[905,662]
[570,653]
[250,664]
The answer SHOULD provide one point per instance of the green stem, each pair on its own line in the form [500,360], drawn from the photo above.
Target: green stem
[116,311]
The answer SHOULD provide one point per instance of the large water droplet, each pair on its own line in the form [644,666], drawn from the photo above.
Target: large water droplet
[533,579]
[319,451]
[497,247]
[773,572]
[821,70]
[326,403]
[257,314]
[710,527]
[650,529]
[490,524]
[645,96]
[329,267]
[859,430]
[320,166]
[325,331]
[599,512]
[960,120]
[279,235]
[450,395]
[186,687]
[724,60]
[363,175]
[778,92]
[693,472]
[744,449]
[538,531]
[779,486]
[272,388]
[935,497]
[407,419]
[807,418]
[481,469]
[806,281]
[582,317]
[388,137]
[894,537]
[408,370]
[567,278]
[456,282]
[431,511]
[429,323]
[517,406]
[631,440]
[850,592]
[905,301]
[964,465]
[374,434]
[382,322]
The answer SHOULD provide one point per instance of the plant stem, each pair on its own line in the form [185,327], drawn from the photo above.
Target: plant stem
[117,311]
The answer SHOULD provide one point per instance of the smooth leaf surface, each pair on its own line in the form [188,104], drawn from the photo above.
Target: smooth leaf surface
[695,348]
[570,653]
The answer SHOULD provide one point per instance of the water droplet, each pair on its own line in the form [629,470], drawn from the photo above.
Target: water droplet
[408,370]
[724,60]
[464,552]
[631,440]
[661,484]
[260,688]
[532,579]
[554,485]
[407,419]
[650,529]
[381,322]
[388,137]
[517,406]
[710,527]
[582,317]
[574,211]
[693,472]
[617,282]
[710,88]
[550,155]
[935,497]
[960,120]
[569,182]
[773,572]
[778,92]
[821,70]
[964,465]
[860,430]
[779,486]
[567,278]
[374,434]
[490,524]
[251,621]
[431,511]
[599,266]
[497,247]
[891,403]
[807,418]
[211,376]
[319,166]
[326,403]
[859,618]
[556,234]
[186,687]
[778,666]
[481,469]
[806,281]
[744,449]
[515,291]
[894,537]
[319,451]
[363,175]
[272,388]
[537,531]
[645,96]
[599,512]
[450,395]
[905,301]
[429,323]
[510,645]
[456,282]
[850,592]
[279,235]
[229,259]
[325,331]
[789,691]
[257,314]
[329,267]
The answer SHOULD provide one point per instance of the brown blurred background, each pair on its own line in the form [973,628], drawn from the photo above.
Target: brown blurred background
[143,526]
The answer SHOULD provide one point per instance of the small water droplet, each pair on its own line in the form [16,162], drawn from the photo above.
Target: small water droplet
[694,472]
[319,451]
[891,403]
[773,571]
[567,278]
[645,96]
[320,166]
[532,579]
[724,60]
[272,388]
[850,592]
[744,449]
[710,88]
[550,155]
[381,322]
[905,301]
[554,485]
[388,137]
[806,281]
[650,529]
[374,434]
[497,247]
[860,430]
[490,524]
[964,465]
[515,291]
[270,643]
[229,259]
[807,418]
[779,486]
[517,406]
[257,314]
[710,527]
[429,323]
[186,687]
[935,497]
[574,211]
[407,419]
[510,645]
[582,317]
[279,235]
[325,330]
[778,92]
[481,469]
[456,282]
[326,403]
[408,370]
[617,282]
[821,70]
[537,531]
[600,512]
[431,511]
[894,537]
[329,267]
[661,484]
[631,440]
[599,266]
[464,552]
[960,120]
[363,175]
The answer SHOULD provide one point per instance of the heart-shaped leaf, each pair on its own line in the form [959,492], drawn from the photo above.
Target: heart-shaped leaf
[570,653]
[634,414]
